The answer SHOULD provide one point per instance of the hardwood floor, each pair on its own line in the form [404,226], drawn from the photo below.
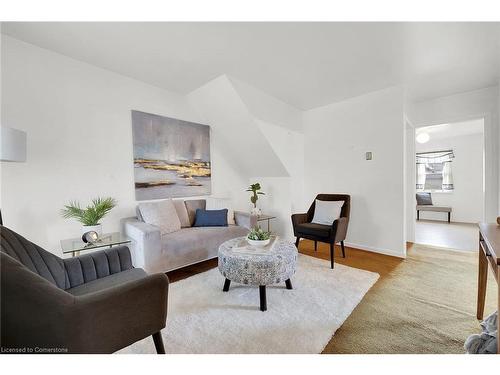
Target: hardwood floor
[365,260]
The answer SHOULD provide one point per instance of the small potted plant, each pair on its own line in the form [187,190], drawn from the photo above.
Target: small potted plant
[258,237]
[255,189]
[90,216]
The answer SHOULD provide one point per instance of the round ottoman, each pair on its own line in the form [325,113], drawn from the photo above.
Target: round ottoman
[258,267]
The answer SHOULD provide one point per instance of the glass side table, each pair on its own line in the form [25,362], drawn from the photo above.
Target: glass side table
[267,218]
[73,246]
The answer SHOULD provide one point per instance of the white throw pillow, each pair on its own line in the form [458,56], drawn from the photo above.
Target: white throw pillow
[219,204]
[161,214]
[326,212]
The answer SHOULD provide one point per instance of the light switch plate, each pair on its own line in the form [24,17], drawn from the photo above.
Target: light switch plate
[368,155]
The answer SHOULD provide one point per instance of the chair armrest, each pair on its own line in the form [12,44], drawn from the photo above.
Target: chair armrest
[100,318]
[245,219]
[145,238]
[339,229]
[98,264]
[33,309]
[299,219]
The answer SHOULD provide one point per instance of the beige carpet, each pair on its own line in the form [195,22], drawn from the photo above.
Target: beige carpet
[426,304]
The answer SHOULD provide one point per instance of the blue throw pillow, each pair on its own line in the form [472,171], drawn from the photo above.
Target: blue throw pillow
[210,218]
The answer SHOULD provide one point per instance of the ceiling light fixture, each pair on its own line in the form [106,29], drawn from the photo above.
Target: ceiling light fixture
[423,138]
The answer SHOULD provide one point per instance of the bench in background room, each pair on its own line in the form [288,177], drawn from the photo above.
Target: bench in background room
[424,203]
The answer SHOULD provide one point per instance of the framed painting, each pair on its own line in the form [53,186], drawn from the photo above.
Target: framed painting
[171,157]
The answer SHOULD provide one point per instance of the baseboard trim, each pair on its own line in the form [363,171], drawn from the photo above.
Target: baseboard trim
[375,250]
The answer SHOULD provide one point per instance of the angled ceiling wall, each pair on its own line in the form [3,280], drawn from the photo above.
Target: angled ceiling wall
[235,128]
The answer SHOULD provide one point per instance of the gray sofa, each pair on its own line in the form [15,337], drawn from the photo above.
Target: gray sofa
[162,253]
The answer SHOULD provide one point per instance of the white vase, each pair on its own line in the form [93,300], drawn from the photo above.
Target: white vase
[256,211]
[96,228]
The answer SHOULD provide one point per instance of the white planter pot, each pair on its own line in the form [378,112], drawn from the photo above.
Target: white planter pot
[258,243]
[256,211]
[96,228]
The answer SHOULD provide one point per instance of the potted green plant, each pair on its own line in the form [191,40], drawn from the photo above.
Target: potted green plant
[90,216]
[255,189]
[258,237]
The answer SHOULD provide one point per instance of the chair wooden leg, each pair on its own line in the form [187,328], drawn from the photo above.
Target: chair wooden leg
[160,349]
[332,254]
[315,245]
[343,248]
[263,300]
[227,283]
[297,242]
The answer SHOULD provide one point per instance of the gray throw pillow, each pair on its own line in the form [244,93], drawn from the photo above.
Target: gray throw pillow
[424,199]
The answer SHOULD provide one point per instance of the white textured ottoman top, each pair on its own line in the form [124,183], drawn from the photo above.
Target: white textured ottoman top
[271,265]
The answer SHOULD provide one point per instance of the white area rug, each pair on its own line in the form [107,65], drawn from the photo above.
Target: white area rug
[203,319]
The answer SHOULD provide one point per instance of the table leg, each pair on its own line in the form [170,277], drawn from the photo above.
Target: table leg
[288,284]
[263,302]
[481,281]
[226,285]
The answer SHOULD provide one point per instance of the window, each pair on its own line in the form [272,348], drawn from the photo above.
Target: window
[434,171]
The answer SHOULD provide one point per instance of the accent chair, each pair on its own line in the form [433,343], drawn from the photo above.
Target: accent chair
[331,234]
[94,303]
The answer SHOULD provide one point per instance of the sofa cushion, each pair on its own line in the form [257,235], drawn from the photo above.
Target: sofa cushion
[182,213]
[220,203]
[424,199]
[108,282]
[195,244]
[161,214]
[433,208]
[210,218]
[192,205]
[313,229]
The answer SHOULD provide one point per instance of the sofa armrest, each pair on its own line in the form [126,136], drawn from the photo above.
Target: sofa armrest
[33,308]
[105,313]
[340,229]
[145,238]
[245,219]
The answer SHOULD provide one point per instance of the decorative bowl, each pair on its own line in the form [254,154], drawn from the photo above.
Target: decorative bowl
[258,243]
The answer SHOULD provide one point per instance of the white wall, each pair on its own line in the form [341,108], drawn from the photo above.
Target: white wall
[336,139]
[267,108]
[267,152]
[466,199]
[410,181]
[284,195]
[483,103]
[78,121]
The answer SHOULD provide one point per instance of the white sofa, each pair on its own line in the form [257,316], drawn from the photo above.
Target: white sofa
[162,253]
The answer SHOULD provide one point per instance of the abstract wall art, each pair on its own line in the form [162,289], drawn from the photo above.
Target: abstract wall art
[171,157]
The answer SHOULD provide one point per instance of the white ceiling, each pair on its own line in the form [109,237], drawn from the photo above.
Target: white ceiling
[304,64]
[453,130]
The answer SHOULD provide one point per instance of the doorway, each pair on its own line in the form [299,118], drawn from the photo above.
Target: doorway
[449,183]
